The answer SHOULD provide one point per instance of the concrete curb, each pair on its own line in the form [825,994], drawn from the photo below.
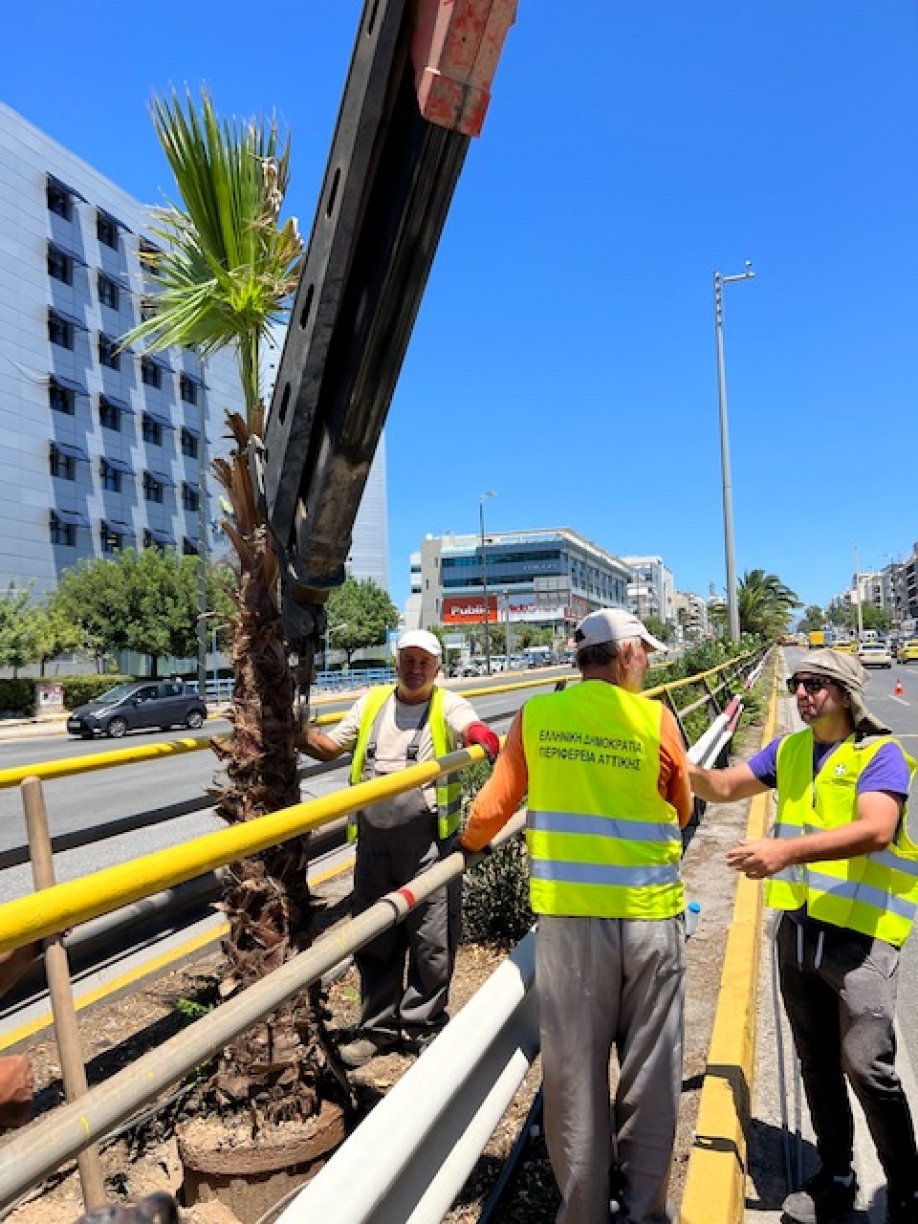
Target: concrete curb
[715,1185]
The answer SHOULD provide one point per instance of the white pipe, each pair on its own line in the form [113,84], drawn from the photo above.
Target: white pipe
[426,1115]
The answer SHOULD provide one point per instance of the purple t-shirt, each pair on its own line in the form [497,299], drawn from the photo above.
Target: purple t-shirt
[886,771]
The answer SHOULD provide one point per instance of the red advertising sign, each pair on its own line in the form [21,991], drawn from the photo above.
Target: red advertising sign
[469,610]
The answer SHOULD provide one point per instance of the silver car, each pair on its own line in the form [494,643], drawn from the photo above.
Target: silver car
[874,654]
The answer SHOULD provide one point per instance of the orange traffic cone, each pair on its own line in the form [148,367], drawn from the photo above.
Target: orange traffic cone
[898,690]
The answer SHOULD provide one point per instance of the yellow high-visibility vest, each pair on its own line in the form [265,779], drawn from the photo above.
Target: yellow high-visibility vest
[448,788]
[875,894]
[602,840]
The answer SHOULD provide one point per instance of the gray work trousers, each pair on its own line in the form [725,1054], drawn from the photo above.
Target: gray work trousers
[839,991]
[609,984]
[399,999]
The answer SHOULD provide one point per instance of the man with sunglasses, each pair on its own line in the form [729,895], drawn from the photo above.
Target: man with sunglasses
[842,868]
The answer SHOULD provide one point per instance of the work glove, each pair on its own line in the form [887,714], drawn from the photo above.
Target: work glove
[479,733]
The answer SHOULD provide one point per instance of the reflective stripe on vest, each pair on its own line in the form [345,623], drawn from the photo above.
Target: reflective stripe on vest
[593,757]
[448,788]
[875,894]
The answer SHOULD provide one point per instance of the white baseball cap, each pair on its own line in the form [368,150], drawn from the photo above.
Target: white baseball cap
[422,640]
[613,625]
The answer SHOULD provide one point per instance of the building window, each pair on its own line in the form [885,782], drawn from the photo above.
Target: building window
[190,444]
[189,547]
[153,489]
[60,330]
[147,308]
[62,533]
[109,292]
[62,466]
[109,414]
[59,200]
[157,539]
[188,389]
[112,540]
[191,498]
[107,230]
[150,256]
[62,399]
[152,430]
[111,478]
[60,264]
[151,374]
[109,353]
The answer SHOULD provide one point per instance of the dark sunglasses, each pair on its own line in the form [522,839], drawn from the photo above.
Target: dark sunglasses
[811,684]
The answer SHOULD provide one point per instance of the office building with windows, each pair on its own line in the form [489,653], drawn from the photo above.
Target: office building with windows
[550,578]
[104,448]
[651,591]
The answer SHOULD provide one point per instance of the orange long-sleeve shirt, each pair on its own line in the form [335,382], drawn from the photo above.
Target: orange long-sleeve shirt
[503,793]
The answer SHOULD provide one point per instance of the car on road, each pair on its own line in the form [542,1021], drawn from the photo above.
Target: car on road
[137,706]
[908,651]
[874,654]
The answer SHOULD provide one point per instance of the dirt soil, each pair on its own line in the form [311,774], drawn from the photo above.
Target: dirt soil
[143,1160]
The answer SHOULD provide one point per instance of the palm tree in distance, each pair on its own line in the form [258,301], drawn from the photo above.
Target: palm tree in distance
[226,271]
[765,604]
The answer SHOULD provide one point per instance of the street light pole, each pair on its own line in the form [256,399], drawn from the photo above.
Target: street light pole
[857,595]
[732,604]
[202,542]
[485,616]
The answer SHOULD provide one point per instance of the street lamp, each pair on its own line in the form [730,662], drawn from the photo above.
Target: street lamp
[507,627]
[482,497]
[732,604]
[857,595]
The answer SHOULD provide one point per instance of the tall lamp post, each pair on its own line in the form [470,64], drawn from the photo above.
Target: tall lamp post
[485,616]
[857,595]
[732,604]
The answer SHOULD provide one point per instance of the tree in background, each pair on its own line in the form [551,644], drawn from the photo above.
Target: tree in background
[18,640]
[765,604]
[359,614]
[813,618]
[145,602]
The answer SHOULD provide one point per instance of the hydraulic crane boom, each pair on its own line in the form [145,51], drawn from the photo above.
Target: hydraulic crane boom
[417,91]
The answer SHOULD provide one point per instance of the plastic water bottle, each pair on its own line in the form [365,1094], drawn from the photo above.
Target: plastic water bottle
[692,916]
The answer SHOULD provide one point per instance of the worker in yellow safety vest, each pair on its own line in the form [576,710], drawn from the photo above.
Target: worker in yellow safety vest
[607,778]
[405,972]
[841,867]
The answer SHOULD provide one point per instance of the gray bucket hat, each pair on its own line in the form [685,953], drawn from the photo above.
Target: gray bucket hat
[845,670]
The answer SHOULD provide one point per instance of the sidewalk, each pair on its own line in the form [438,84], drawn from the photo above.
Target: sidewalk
[781,1144]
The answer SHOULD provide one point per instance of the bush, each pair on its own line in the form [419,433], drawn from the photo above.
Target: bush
[80,689]
[17,697]
[495,897]
[495,893]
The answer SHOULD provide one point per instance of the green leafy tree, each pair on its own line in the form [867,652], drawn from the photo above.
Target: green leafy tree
[359,614]
[660,628]
[813,618]
[146,602]
[18,642]
[765,604]
[55,633]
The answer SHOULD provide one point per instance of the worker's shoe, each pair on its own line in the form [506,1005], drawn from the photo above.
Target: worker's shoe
[901,1210]
[824,1199]
[359,1052]
[417,1043]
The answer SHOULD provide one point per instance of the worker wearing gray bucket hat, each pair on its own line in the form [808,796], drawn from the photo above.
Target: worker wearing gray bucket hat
[844,871]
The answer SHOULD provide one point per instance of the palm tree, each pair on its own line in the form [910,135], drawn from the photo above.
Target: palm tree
[226,272]
[765,603]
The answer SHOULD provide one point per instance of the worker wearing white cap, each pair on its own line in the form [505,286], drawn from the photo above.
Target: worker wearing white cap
[606,774]
[405,972]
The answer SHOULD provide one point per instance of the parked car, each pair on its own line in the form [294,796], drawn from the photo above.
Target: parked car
[138,706]
[874,654]
[908,650]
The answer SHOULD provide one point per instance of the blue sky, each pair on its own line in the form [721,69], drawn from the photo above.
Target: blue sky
[564,354]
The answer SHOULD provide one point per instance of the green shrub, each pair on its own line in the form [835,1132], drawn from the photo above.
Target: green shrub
[17,697]
[80,689]
[495,897]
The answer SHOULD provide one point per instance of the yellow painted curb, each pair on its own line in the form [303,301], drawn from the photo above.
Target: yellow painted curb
[715,1185]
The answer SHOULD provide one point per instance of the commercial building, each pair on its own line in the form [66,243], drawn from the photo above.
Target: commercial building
[550,578]
[103,448]
[651,591]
